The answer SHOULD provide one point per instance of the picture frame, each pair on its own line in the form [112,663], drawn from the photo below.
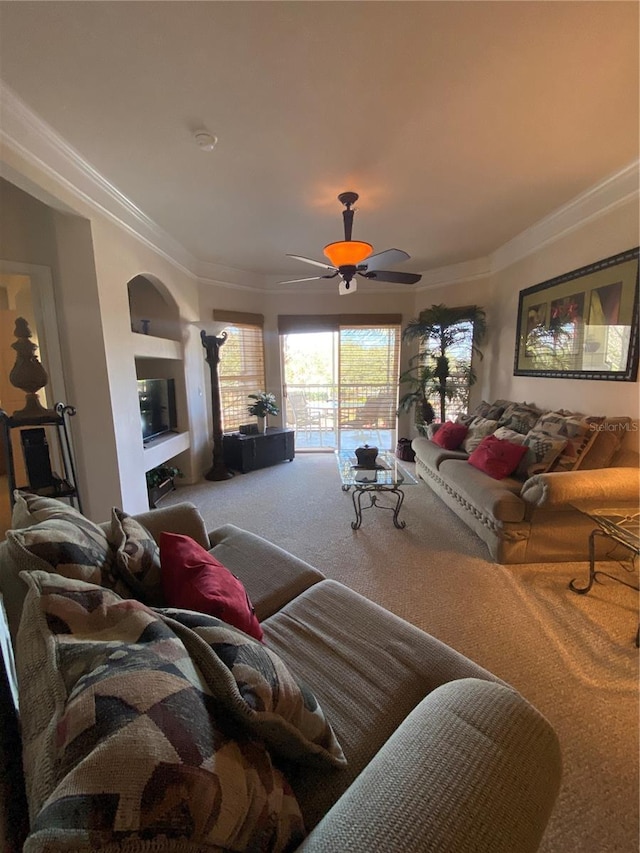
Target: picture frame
[582,324]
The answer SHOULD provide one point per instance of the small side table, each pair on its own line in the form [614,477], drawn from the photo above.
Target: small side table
[620,524]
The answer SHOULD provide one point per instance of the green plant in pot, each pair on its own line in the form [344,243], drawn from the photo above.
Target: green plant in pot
[440,329]
[264,404]
[157,476]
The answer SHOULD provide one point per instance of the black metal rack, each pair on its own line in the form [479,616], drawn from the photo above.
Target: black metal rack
[57,486]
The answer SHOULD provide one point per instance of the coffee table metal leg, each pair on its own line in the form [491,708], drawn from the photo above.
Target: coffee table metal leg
[581,590]
[400,495]
[357,494]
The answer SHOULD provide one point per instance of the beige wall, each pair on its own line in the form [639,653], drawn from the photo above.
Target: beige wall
[92,259]
[498,293]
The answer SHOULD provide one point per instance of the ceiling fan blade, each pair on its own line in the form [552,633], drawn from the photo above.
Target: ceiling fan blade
[312,278]
[387,258]
[310,261]
[394,277]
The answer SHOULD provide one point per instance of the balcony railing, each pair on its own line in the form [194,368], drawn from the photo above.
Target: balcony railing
[327,417]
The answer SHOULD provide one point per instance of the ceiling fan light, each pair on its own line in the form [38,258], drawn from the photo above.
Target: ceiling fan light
[347,252]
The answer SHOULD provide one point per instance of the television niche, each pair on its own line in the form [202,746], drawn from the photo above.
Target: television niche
[157,398]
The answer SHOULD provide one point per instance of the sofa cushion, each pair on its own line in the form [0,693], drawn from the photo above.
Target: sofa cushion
[496,457]
[431,455]
[259,692]
[368,668]
[193,579]
[542,451]
[496,499]
[478,429]
[122,742]
[607,441]
[450,435]
[137,559]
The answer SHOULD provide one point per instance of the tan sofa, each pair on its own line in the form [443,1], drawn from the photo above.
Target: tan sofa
[529,520]
[441,755]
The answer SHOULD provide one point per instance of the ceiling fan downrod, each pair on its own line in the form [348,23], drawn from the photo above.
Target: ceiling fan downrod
[348,198]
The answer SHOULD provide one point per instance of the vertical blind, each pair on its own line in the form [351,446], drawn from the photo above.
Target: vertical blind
[241,367]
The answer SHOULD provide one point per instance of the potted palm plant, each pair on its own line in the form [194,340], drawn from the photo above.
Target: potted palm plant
[264,404]
[440,329]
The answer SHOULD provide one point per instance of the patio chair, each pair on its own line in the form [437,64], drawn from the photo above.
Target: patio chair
[304,418]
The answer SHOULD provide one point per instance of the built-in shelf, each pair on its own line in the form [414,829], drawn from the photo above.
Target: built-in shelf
[148,346]
[165,447]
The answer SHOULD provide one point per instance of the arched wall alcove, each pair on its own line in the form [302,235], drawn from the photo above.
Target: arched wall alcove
[152,308]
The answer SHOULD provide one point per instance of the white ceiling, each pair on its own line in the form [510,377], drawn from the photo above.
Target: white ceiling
[460,124]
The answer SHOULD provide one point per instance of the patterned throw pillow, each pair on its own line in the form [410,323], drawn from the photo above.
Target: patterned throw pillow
[30,509]
[260,692]
[506,434]
[68,544]
[520,418]
[542,451]
[137,559]
[490,411]
[576,429]
[479,428]
[122,745]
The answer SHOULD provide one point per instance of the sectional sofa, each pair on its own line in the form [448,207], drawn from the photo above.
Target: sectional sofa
[530,515]
[159,729]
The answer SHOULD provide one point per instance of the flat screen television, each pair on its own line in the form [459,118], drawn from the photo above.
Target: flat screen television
[157,398]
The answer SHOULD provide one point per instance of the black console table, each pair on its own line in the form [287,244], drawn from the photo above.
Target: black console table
[248,452]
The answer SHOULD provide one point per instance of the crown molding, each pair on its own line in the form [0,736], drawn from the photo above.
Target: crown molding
[230,277]
[40,145]
[602,198]
[453,274]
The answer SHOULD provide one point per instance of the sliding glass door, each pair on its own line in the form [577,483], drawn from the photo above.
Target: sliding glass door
[341,385]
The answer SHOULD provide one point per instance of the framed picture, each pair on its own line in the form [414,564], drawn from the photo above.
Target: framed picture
[583,324]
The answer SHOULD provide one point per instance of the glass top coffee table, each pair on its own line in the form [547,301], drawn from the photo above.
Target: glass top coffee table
[387,478]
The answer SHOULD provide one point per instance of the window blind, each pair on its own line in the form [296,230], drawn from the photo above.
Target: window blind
[368,381]
[241,368]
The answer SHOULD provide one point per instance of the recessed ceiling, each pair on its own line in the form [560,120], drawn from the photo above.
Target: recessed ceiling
[459,124]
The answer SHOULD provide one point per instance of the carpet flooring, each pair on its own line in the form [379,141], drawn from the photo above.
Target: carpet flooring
[572,656]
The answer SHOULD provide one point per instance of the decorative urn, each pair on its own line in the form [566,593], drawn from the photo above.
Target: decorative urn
[366,456]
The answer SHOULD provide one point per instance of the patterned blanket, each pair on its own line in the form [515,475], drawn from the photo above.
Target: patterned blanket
[156,729]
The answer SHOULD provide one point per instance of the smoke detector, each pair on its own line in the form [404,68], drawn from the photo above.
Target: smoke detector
[205,140]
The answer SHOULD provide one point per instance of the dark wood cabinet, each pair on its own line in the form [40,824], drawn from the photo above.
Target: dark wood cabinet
[248,452]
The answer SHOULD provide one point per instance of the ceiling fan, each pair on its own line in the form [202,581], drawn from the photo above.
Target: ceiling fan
[350,258]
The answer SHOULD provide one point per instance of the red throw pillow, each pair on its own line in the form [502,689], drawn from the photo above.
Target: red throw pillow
[192,579]
[450,435]
[497,457]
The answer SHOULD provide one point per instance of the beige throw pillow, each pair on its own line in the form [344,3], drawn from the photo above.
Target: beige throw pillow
[478,429]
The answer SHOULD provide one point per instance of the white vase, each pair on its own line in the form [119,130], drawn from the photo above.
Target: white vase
[262,425]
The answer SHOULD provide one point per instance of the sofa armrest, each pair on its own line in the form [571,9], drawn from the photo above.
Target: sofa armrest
[182,518]
[474,767]
[271,575]
[611,485]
